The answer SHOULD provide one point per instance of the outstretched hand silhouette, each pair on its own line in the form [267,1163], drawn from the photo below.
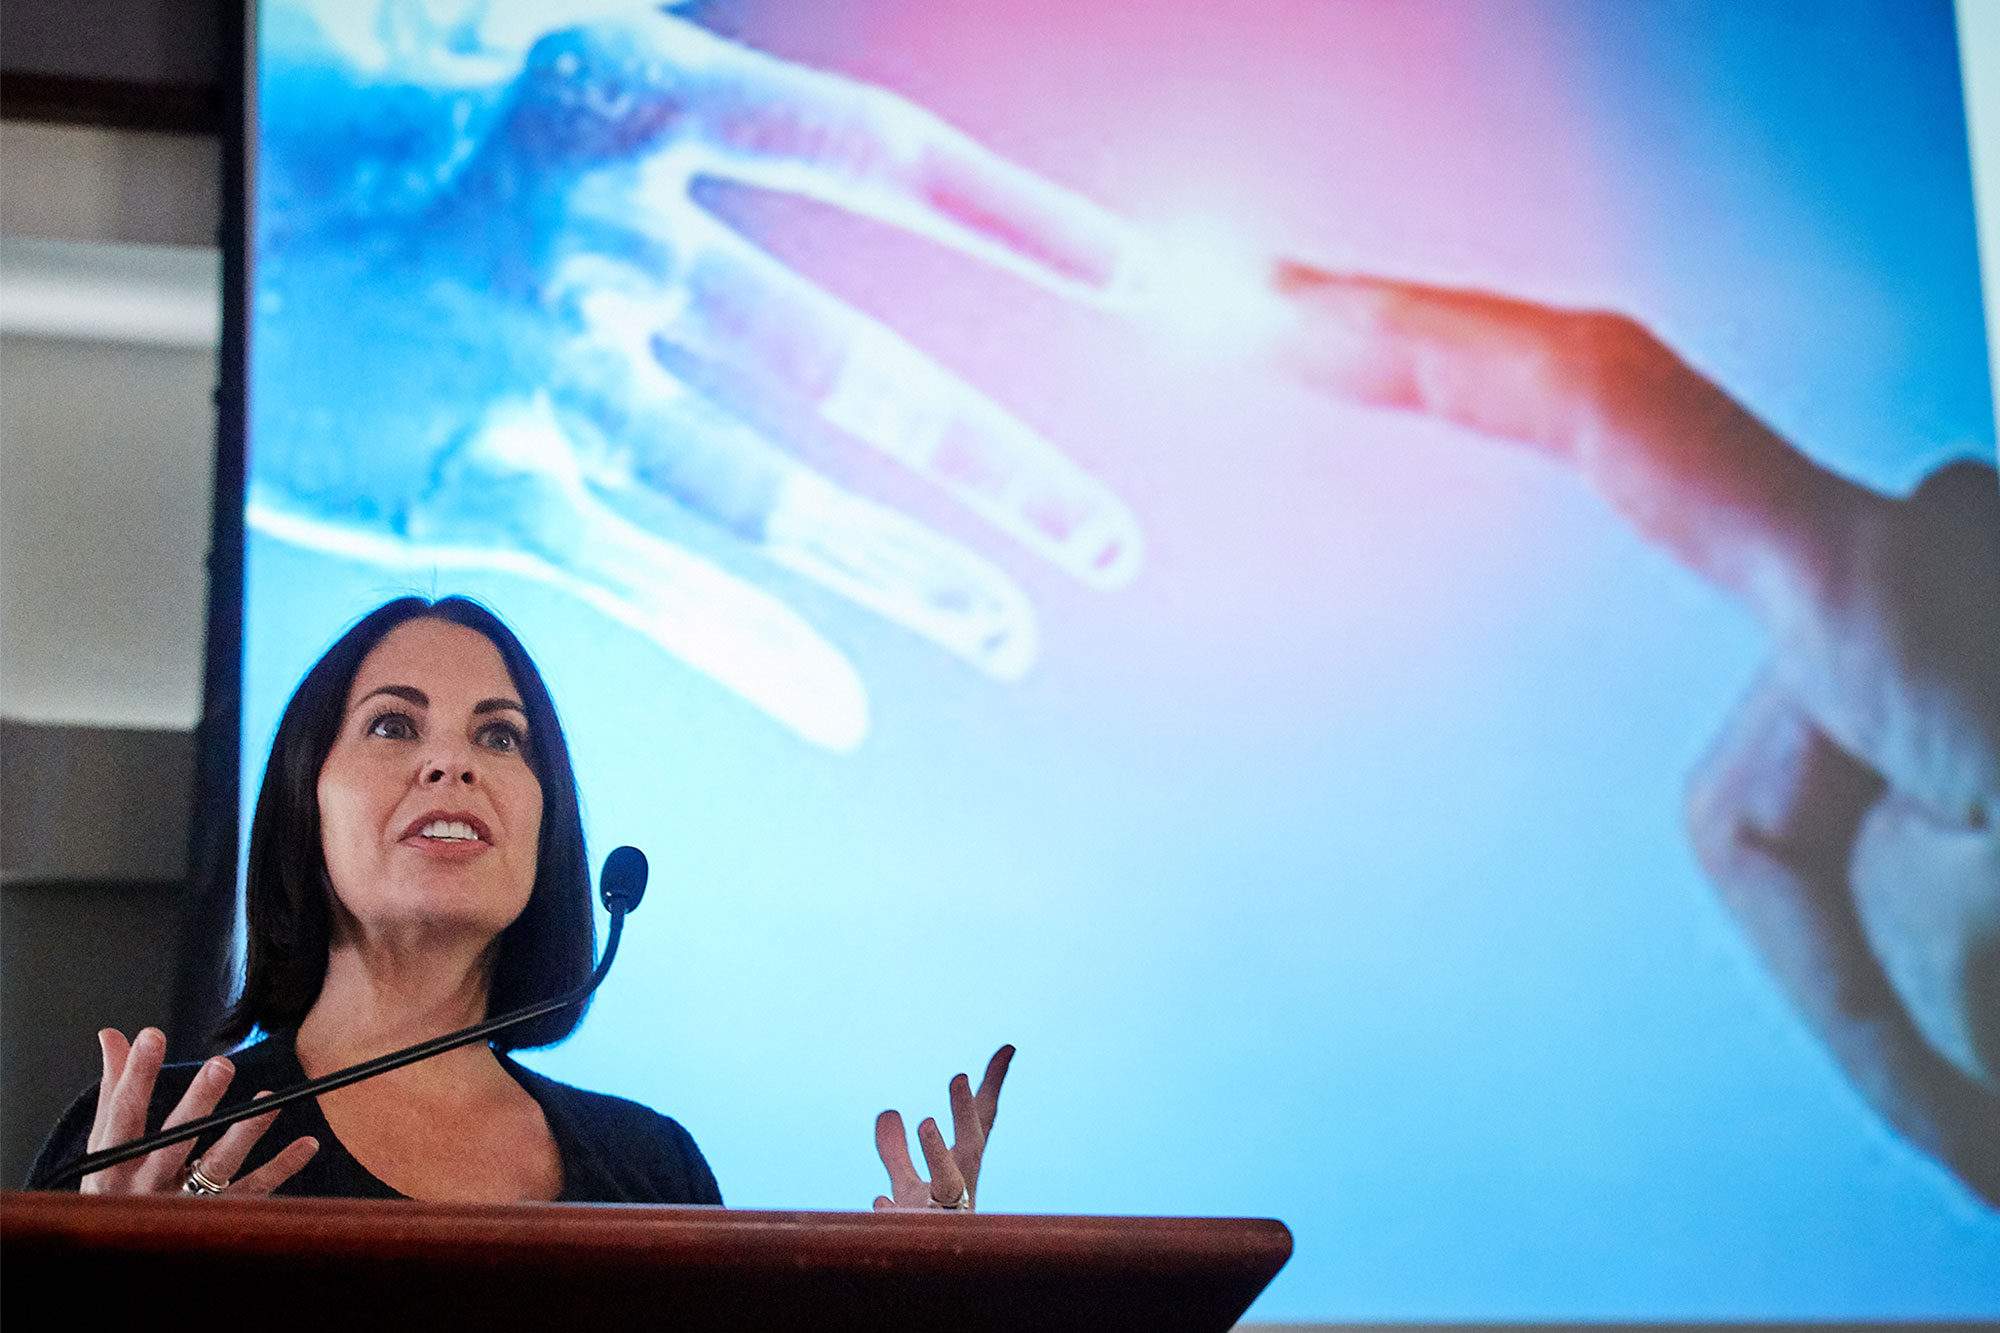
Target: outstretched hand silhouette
[497,330]
[1850,813]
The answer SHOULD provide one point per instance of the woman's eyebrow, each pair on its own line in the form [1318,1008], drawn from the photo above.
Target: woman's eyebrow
[495,705]
[408,692]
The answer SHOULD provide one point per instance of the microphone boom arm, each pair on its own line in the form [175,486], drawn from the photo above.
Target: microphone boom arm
[619,901]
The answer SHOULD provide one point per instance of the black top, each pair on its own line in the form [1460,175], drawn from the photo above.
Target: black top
[612,1150]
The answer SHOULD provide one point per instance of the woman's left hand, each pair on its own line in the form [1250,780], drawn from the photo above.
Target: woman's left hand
[954,1182]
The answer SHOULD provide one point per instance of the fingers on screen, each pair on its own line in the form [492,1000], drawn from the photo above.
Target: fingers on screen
[903,571]
[1928,895]
[513,496]
[1910,679]
[1689,467]
[653,84]
[777,336]
[766,121]
[643,431]
[1774,812]
[741,114]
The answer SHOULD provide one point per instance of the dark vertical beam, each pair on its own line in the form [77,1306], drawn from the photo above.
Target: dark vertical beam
[205,964]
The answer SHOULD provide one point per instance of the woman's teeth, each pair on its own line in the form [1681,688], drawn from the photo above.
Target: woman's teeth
[450,830]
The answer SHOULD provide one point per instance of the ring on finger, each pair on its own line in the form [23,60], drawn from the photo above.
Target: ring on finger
[195,1183]
[962,1203]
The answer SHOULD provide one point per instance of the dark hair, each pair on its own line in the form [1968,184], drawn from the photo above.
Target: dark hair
[288,897]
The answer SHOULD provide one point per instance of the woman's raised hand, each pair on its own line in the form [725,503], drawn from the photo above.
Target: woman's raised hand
[123,1097]
[954,1181]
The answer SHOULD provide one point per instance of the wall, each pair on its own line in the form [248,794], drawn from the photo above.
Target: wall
[106,457]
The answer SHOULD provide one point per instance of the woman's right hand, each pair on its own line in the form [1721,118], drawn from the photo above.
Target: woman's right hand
[126,1092]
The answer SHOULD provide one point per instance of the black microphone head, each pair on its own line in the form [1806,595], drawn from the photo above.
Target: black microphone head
[623,881]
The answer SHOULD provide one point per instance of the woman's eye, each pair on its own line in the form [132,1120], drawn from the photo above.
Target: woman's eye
[394,727]
[502,736]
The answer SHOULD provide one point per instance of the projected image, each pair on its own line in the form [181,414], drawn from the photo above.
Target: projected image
[505,207]
[1405,598]
[1846,812]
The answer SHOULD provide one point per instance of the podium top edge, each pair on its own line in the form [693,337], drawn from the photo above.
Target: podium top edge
[611,1231]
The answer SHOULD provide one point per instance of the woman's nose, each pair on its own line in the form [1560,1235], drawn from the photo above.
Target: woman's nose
[449,764]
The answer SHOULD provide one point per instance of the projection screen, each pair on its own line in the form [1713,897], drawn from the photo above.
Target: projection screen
[1405,597]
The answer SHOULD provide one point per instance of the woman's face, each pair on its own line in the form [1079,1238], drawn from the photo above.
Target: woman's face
[430,817]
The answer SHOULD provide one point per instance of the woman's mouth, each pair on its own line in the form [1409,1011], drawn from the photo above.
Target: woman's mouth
[448,828]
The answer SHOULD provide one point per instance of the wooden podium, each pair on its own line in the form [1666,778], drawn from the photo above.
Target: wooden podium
[357,1265]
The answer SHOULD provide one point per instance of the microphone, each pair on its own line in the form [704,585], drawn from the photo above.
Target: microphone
[622,883]
[620,886]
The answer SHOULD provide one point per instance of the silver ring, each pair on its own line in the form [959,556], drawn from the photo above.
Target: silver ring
[194,1182]
[962,1204]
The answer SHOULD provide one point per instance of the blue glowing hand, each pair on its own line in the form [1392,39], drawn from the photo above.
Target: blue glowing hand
[1850,814]
[496,330]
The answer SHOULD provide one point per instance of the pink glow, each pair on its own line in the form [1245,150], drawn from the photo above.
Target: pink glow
[1428,141]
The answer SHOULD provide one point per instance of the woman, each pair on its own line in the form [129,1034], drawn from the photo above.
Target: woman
[416,862]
